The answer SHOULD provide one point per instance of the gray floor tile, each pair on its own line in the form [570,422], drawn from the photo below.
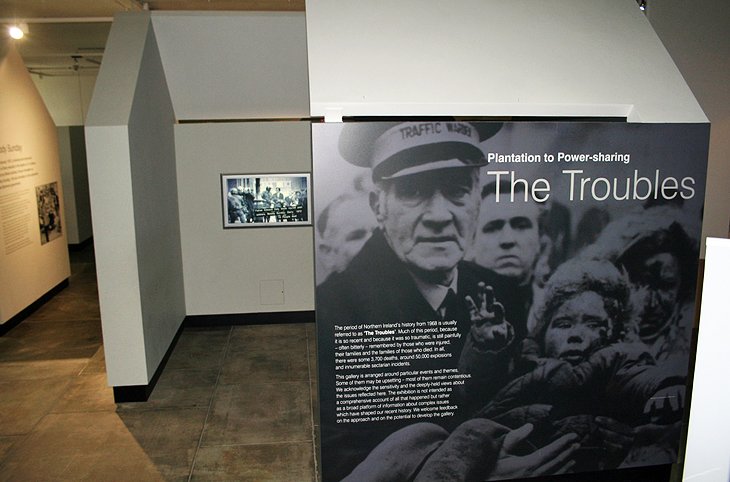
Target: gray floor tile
[268,462]
[315,401]
[168,437]
[276,337]
[259,413]
[264,364]
[196,349]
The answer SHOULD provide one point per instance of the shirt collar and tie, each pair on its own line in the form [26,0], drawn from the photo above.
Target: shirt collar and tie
[442,299]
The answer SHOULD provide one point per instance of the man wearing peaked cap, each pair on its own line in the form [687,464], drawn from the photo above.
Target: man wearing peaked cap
[426,204]
[425,199]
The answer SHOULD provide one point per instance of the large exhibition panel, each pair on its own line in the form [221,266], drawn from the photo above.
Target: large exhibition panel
[526,280]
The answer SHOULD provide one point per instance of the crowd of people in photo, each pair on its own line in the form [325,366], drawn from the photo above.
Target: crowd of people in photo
[576,336]
[244,206]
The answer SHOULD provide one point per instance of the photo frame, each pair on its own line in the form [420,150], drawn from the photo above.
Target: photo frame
[49,211]
[266,200]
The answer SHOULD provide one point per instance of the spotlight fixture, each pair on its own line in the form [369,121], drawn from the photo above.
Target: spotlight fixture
[18,30]
[642,5]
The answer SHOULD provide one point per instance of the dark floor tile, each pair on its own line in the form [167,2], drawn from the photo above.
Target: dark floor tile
[276,337]
[178,389]
[312,349]
[24,403]
[86,394]
[265,365]
[69,306]
[83,270]
[51,340]
[259,413]
[315,400]
[310,328]
[169,437]
[83,255]
[199,349]
[97,446]
[269,462]
[313,362]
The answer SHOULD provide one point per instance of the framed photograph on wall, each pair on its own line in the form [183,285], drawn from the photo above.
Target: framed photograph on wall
[49,211]
[265,200]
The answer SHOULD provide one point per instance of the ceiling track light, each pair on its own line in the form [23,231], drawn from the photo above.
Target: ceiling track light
[642,5]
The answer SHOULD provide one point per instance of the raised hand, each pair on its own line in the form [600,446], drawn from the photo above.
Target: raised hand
[488,323]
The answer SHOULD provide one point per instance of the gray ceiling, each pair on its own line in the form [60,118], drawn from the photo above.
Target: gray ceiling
[66,36]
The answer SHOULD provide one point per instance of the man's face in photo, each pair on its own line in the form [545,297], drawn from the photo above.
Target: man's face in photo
[508,238]
[429,218]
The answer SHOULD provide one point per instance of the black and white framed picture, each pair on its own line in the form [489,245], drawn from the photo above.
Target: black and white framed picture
[258,200]
[49,211]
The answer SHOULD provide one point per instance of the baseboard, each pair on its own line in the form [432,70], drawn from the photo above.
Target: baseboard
[26,312]
[272,317]
[141,393]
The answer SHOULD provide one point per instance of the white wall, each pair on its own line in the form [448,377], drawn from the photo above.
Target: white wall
[152,154]
[67,97]
[224,268]
[234,65]
[134,200]
[696,36]
[28,268]
[492,58]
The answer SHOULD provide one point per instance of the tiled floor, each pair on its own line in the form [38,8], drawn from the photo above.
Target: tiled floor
[233,403]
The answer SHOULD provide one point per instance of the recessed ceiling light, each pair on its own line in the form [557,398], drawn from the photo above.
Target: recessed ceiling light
[18,31]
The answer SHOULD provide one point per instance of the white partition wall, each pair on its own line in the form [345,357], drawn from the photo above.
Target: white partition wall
[161,249]
[492,58]
[708,446]
[134,197]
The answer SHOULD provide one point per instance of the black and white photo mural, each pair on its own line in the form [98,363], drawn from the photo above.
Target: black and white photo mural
[503,300]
